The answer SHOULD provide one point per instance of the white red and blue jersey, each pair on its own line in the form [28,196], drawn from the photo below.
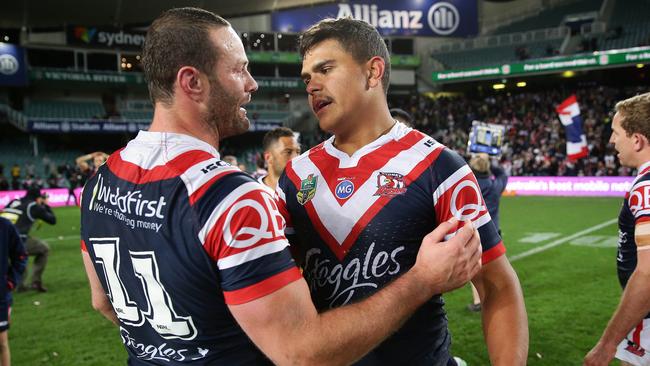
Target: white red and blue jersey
[359,221]
[635,210]
[176,235]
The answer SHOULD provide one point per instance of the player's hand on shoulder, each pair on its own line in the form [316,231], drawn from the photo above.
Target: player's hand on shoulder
[447,265]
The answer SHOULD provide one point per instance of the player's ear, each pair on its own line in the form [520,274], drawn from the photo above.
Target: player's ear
[640,142]
[375,71]
[190,82]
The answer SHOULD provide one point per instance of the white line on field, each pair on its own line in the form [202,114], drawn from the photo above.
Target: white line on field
[561,240]
[61,237]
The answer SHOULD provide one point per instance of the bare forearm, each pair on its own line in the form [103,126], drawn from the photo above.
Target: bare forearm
[634,305]
[110,315]
[505,323]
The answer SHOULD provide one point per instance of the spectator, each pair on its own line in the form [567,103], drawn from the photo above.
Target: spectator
[23,213]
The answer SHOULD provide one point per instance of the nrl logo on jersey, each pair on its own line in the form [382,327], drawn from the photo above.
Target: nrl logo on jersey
[307,189]
[390,184]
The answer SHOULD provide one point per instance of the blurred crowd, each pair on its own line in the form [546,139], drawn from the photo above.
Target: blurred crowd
[49,174]
[534,144]
[535,139]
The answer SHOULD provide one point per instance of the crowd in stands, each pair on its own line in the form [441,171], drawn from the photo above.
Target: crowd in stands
[535,139]
[64,175]
[534,145]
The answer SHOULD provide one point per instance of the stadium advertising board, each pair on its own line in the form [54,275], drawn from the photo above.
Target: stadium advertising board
[448,18]
[105,37]
[569,186]
[13,70]
[103,126]
[56,197]
[87,77]
[539,66]
[84,126]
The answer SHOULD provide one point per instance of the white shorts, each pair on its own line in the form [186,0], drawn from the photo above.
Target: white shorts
[635,348]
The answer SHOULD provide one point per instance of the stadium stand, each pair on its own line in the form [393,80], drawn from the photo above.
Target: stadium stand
[551,17]
[628,27]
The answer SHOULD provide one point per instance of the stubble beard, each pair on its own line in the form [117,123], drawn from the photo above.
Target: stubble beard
[223,118]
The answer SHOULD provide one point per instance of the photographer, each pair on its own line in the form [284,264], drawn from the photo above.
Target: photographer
[23,213]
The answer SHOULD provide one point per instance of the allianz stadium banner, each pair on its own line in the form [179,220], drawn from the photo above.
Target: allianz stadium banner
[84,126]
[448,18]
[105,37]
[53,125]
[13,70]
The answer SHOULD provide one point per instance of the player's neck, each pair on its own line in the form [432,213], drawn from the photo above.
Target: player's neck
[271,180]
[183,121]
[364,130]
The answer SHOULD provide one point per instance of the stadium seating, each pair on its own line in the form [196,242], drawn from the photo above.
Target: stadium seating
[632,23]
[493,55]
[549,18]
[64,109]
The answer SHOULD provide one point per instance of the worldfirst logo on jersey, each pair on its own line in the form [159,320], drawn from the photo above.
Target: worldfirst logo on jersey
[129,202]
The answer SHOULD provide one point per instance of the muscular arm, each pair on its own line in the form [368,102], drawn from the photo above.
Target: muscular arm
[634,305]
[287,328]
[505,323]
[99,299]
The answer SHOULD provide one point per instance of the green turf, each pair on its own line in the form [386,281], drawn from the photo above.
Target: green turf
[571,291]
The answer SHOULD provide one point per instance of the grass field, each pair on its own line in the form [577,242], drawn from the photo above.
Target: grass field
[570,289]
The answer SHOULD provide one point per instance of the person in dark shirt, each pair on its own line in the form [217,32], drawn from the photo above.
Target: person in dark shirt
[23,213]
[492,180]
[13,260]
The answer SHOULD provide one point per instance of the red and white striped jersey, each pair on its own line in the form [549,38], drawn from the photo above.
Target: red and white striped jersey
[175,235]
[359,221]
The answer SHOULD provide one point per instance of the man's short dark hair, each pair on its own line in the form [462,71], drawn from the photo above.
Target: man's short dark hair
[359,38]
[274,136]
[178,37]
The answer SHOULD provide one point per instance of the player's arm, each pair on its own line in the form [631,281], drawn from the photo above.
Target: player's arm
[287,328]
[505,324]
[634,304]
[99,299]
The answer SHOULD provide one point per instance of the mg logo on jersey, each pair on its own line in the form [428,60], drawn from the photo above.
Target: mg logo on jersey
[344,189]
[443,18]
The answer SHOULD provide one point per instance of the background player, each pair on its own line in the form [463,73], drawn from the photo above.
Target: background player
[280,146]
[361,202]
[191,250]
[12,264]
[631,139]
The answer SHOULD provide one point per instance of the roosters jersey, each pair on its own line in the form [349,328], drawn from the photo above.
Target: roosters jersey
[176,235]
[635,209]
[359,221]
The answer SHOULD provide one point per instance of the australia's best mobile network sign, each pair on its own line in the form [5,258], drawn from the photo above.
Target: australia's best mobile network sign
[448,18]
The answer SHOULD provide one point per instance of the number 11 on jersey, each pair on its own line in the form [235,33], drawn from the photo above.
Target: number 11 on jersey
[159,311]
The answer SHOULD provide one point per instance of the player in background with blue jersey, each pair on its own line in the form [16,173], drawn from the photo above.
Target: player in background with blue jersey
[187,255]
[361,202]
[13,260]
[627,336]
